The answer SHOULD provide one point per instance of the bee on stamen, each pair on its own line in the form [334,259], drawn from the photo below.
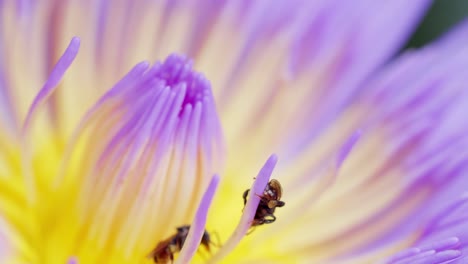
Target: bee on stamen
[165,250]
[269,200]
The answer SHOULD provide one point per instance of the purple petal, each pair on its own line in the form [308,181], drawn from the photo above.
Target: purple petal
[49,87]
[130,78]
[332,40]
[425,122]
[197,228]
[250,208]
[54,79]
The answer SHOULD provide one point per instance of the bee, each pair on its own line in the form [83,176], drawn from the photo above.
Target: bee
[165,250]
[269,200]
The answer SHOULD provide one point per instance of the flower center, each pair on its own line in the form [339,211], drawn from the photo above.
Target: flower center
[151,142]
[177,71]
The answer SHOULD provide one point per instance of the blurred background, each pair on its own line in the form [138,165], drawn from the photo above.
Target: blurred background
[442,15]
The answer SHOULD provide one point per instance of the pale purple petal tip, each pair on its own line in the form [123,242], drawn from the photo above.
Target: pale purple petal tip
[439,257]
[54,79]
[250,208]
[72,260]
[347,147]
[197,228]
[441,245]
[436,252]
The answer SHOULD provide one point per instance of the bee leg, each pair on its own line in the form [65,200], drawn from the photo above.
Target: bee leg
[218,240]
[269,221]
[253,224]
[252,228]
[246,193]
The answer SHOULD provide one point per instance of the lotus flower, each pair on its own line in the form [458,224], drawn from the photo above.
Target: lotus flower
[160,114]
